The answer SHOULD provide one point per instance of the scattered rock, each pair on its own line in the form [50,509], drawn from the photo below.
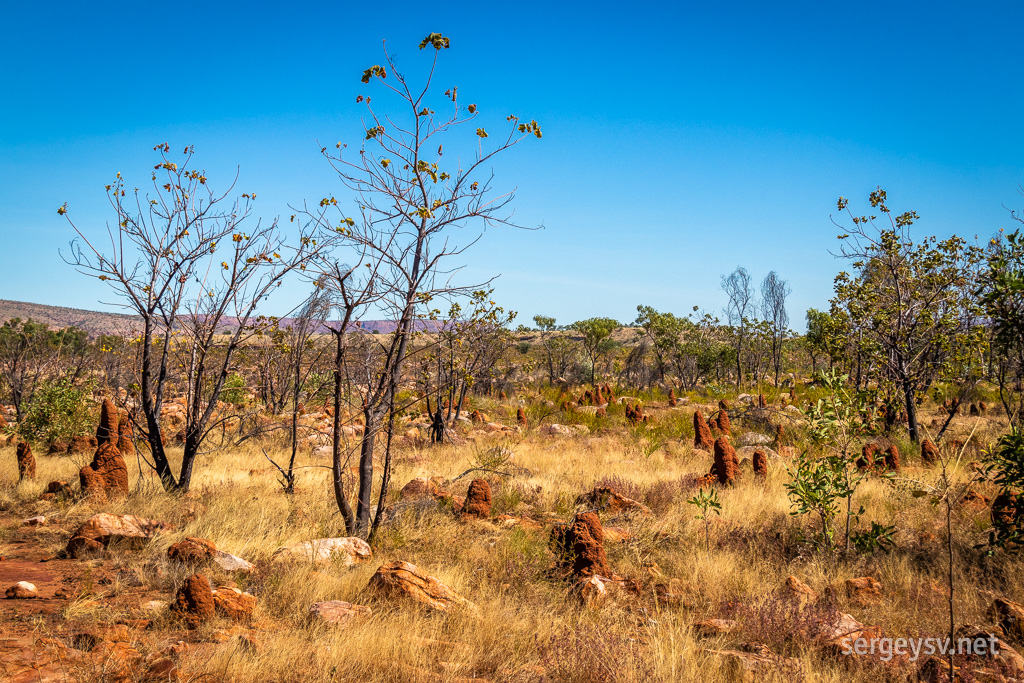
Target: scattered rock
[1010,617]
[863,587]
[192,550]
[337,612]
[349,550]
[234,604]
[23,590]
[798,590]
[231,563]
[194,601]
[754,439]
[478,500]
[761,665]
[608,499]
[402,580]
[714,627]
[34,521]
[100,530]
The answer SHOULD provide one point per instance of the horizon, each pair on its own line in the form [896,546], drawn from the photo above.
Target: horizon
[678,143]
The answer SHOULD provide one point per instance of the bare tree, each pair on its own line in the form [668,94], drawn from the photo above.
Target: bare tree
[189,262]
[738,311]
[412,201]
[774,291]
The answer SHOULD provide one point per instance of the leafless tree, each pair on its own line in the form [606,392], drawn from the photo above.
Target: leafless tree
[774,291]
[189,262]
[412,202]
[738,311]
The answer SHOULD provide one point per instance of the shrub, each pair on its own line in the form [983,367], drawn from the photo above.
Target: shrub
[58,410]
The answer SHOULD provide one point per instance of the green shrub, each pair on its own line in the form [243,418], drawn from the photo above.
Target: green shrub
[59,410]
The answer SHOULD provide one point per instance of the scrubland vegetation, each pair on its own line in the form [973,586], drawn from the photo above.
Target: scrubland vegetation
[678,497]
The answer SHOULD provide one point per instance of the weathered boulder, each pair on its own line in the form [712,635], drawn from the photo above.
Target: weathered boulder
[405,581]
[234,604]
[608,499]
[478,500]
[192,550]
[337,612]
[1010,617]
[349,551]
[863,587]
[97,532]
[26,462]
[23,590]
[194,601]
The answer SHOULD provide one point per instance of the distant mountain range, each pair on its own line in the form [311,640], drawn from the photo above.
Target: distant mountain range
[96,323]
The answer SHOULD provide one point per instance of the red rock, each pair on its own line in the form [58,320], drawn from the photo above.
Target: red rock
[702,438]
[863,587]
[192,550]
[194,601]
[337,612]
[234,604]
[418,487]
[477,417]
[402,580]
[608,499]
[478,500]
[726,465]
[82,444]
[100,530]
[26,462]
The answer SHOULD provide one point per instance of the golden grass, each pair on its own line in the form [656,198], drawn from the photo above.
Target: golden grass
[527,622]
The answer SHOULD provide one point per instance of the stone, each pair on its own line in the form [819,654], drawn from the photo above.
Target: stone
[863,587]
[23,590]
[349,551]
[234,604]
[608,499]
[760,463]
[798,590]
[478,500]
[231,563]
[714,627]
[34,521]
[754,439]
[26,462]
[192,550]
[726,465]
[702,433]
[929,452]
[580,545]
[405,581]
[1010,617]
[97,532]
[337,612]
[194,601]
[419,487]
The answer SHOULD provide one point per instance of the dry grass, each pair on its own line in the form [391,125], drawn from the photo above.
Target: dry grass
[528,624]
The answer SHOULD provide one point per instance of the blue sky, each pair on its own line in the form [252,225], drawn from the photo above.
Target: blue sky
[680,139]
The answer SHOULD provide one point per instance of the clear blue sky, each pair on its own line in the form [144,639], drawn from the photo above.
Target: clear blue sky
[680,139]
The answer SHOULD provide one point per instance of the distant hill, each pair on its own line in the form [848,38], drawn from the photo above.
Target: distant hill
[96,323]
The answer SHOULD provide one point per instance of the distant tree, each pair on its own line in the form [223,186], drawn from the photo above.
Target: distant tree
[597,340]
[1002,295]
[911,302]
[31,353]
[774,291]
[560,351]
[738,311]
